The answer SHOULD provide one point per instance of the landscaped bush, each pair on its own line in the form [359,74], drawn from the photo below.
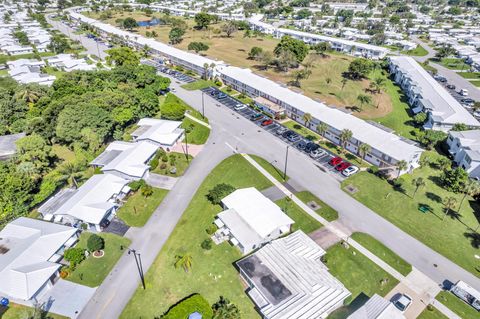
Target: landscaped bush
[223,308]
[74,256]
[211,229]
[207,244]
[136,185]
[189,305]
[146,190]
[173,108]
[95,243]
[218,192]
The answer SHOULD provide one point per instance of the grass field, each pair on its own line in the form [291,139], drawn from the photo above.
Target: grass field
[361,277]
[383,252]
[431,314]
[476,83]
[454,64]
[418,51]
[469,75]
[457,305]
[198,85]
[17,311]
[270,168]
[92,271]
[453,236]
[138,209]
[212,272]
[198,135]
[325,211]
[302,220]
[181,164]
[325,82]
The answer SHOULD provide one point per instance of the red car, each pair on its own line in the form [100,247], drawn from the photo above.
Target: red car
[335,161]
[340,167]
[267,122]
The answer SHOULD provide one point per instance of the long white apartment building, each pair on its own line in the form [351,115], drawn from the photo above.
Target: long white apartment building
[350,47]
[387,148]
[427,95]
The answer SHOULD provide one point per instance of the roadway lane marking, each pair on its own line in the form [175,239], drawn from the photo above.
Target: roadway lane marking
[232,148]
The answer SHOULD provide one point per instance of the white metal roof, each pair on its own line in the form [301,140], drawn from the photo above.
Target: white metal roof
[163,132]
[29,244]
[260,213]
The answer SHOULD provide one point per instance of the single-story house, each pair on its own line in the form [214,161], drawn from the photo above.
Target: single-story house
[94,203]
[30,251]
[287,280]
[163,133]
[126,160]
[8,147]
[377,307]
[464,147]
[250,219]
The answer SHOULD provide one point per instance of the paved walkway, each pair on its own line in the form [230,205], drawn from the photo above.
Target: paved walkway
[193,149]
[193,118]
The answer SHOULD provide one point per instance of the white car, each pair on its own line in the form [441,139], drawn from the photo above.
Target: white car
[239,107]
[317,153]
[403,302]
[476,113]
[463,92]
[172,90]
[350,171]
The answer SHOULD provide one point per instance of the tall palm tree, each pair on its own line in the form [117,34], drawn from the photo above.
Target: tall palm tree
[307,119]
[70,171]
[363,150]
[364,99]
[449,204]
[29,95]
[184,262]
[322,128]
[344,82]
[401,166]
[345,136]
[377,84]
[418,183]
[205,70]
[470,188]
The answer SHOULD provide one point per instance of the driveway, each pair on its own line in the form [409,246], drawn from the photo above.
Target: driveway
[161,181]
[67,298]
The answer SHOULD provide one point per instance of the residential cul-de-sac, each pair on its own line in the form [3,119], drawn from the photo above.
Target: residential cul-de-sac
[258,159]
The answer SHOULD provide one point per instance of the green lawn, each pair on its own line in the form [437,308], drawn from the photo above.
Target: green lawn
[92,271]
[418,51]
[383,252]
[5,58]
[302,220]
[454,64]
[469,75]
[302,130]
[325,211]
[212,272]
[270,168]
[451,237]
[198,85]
[476,83]
[198,135]
[457,305]
[429,68]
[431,313]
[181,164]
[17,311]
[358,273]
[138,209]
[399,119]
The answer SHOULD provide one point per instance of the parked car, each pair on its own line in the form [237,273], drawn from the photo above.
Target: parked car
[467,101]
[221,95]
[342,166]
[267,122]
[256,117]
[349,171]
[463,92]
[239,107]
[476,113]
[281,130]
[451,87]
[317,153]
[403,302]
[287,133]
[335,161]
[440,78]
[302,145]
[213,92]
[294,138]
[311,147]
[173,90]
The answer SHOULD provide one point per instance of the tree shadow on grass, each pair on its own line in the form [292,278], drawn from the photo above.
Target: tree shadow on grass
[433,197]
[428,209]
[474,238]
[437,180]
[347,310]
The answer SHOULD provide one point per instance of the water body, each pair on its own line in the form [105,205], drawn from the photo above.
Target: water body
[150,23]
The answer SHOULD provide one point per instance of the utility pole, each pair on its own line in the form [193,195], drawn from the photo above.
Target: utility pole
[138,262]
[186,143]
[203,105]
[286,161]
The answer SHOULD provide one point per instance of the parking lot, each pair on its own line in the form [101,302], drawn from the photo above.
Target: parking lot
[454,91]
[274,128]
[165,70]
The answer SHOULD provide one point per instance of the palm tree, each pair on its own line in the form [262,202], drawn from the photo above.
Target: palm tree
[377,84]
[70,171]
[471,188]
[307,118]
[322,128]
[418,183]
[205,70]
[363,150]
[29,95]
[344,82]
[184,261]
[401,166]
[364,99]
[345,136]
[449,204]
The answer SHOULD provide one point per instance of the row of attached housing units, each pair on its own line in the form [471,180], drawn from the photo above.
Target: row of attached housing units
[425,94]
[96,201]
[387,149]
[349,47]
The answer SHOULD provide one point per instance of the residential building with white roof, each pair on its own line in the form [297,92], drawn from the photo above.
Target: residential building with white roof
[93,203]
[464,146]
[427,95]
[30,251]
[377,307]
[287,280]
[67,63]
[29,71]
[163,133]
[8,148]
[250,219]
[126,160]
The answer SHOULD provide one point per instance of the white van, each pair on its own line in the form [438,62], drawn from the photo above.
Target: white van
[463,92]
